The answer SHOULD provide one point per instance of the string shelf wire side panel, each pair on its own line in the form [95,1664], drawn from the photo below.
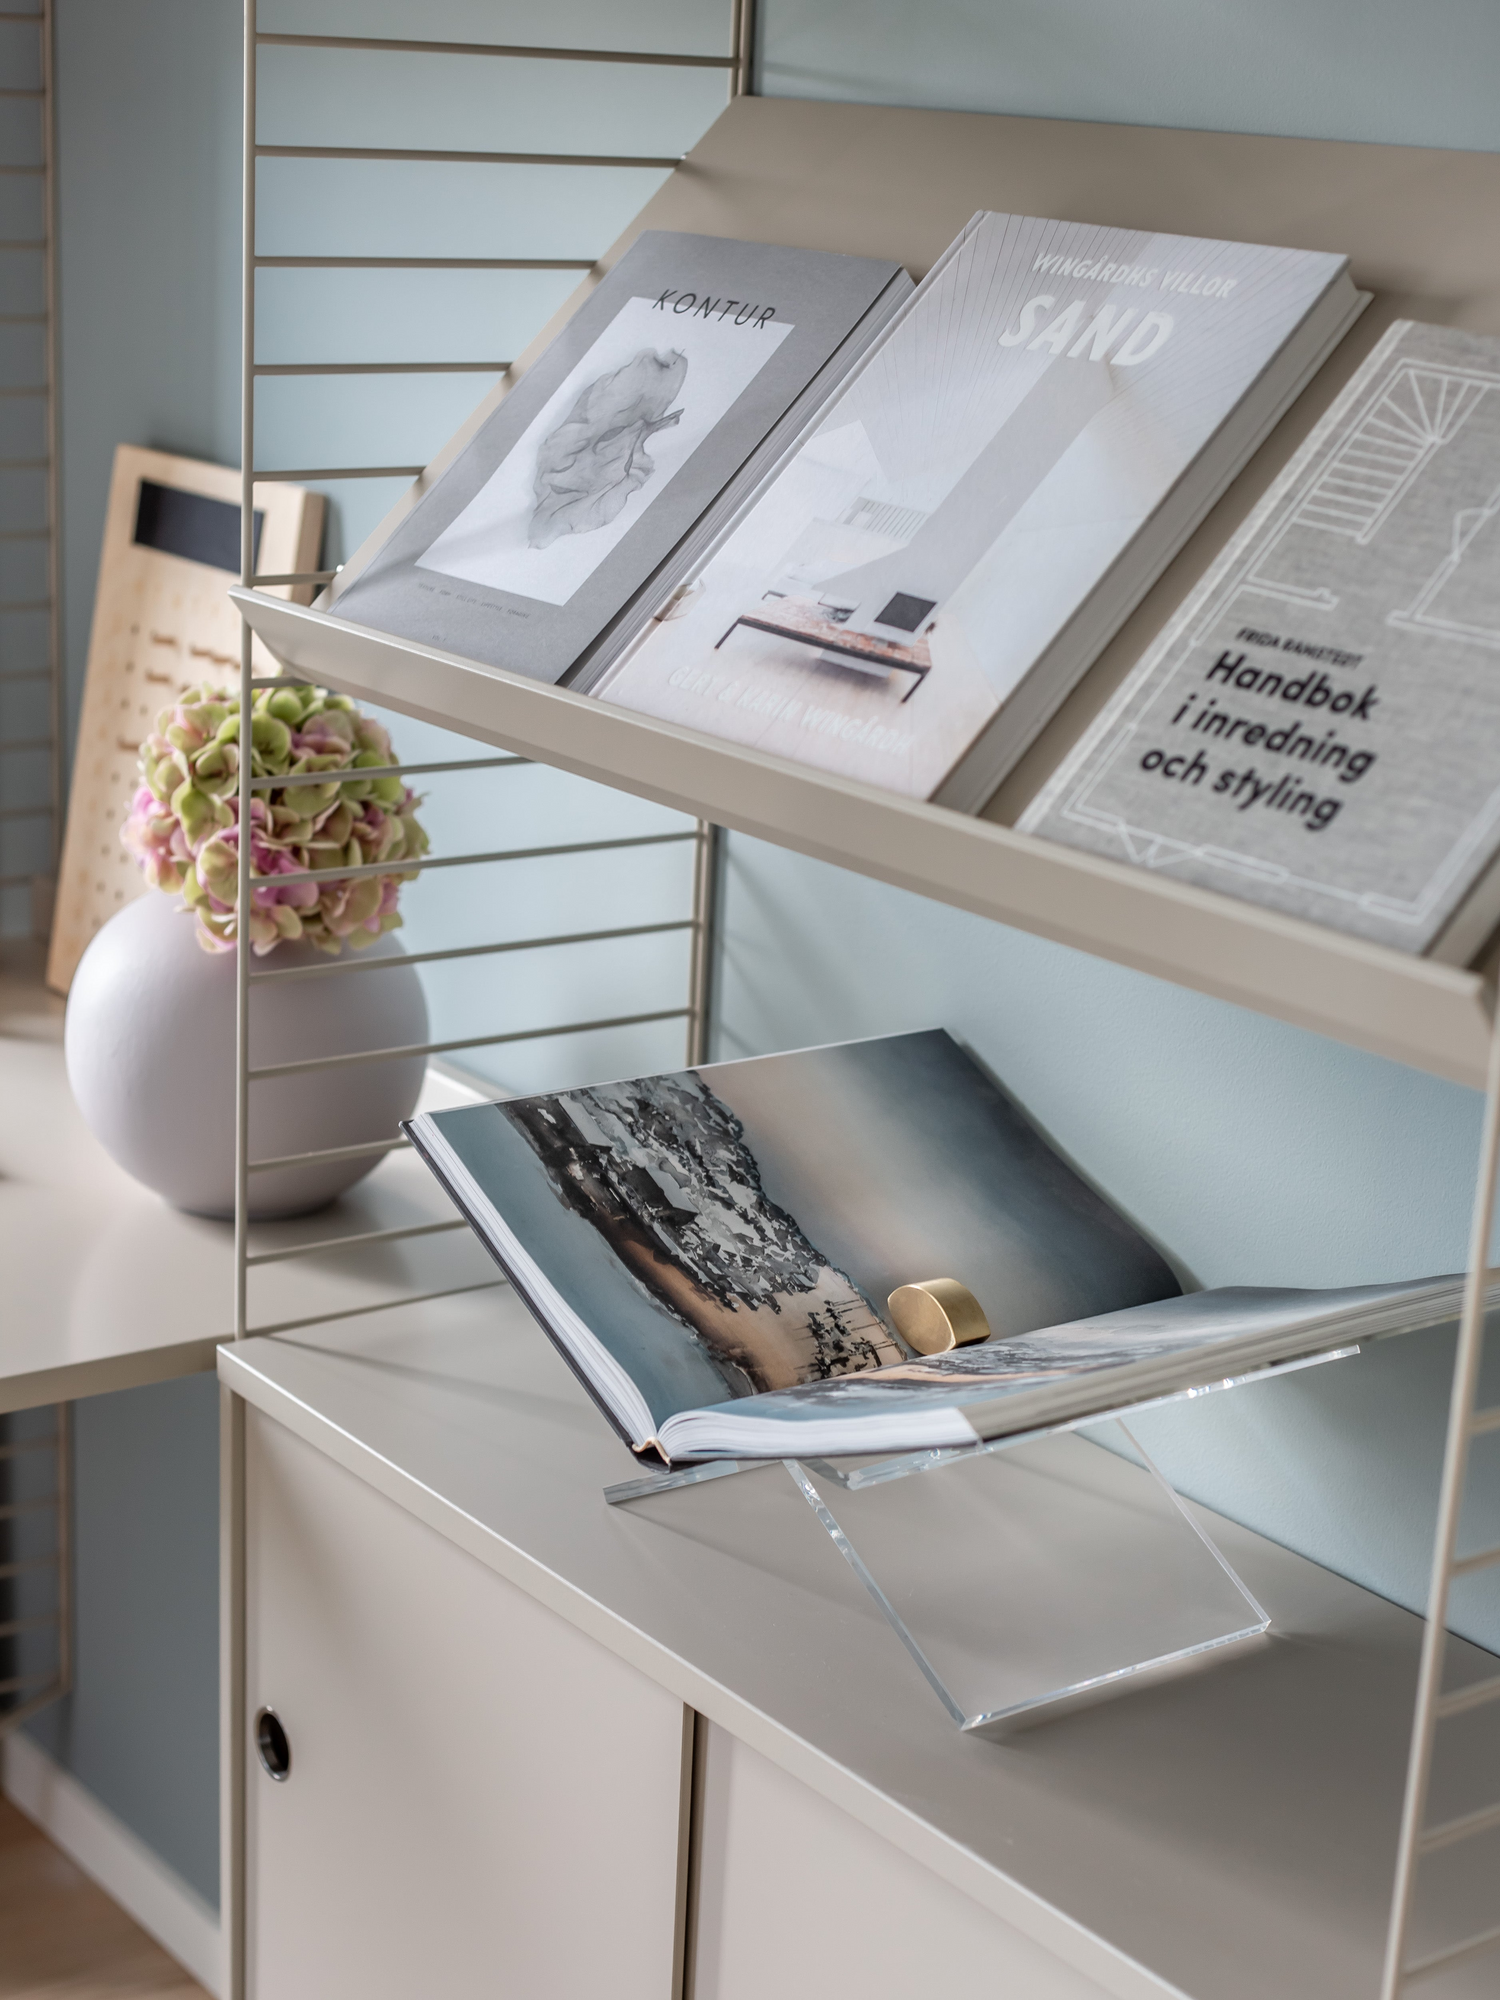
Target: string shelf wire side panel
[35,1468]
[31,733]
[415,206]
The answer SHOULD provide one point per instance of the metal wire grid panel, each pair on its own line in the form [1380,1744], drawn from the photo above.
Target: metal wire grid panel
[35,1618]
[692,1008]
[35,1564]
[1420,1837]
[31,732]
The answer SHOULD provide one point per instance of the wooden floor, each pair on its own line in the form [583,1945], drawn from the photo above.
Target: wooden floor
[61,1937]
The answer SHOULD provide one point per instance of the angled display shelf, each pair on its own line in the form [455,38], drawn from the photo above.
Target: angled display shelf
[1423,231]
[1428,1015]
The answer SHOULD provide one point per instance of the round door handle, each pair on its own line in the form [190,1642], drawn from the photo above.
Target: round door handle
[272,1746]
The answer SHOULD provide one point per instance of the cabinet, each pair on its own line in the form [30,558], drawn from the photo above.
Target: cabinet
[481,1799]
[857,1919]
[484,1671]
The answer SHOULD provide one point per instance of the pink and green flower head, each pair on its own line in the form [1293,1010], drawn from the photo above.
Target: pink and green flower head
[184,826]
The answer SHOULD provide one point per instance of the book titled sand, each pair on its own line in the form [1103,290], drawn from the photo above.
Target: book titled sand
[955,536]
[1318,729]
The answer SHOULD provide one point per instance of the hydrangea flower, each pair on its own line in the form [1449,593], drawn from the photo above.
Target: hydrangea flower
[184,827]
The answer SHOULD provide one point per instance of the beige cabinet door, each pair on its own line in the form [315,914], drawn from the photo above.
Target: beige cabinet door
[794,1897]
[481,1800]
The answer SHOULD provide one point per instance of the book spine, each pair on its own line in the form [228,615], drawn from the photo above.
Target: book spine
[411,1128]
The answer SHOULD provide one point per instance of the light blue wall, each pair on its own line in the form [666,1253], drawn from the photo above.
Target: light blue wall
[1253,1151]
[141,1730]
[148,227]
[1386,70]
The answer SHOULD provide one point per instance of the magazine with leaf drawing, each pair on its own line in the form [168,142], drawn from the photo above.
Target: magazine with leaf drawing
[645,413]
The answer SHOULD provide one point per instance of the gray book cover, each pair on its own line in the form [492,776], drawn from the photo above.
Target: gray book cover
[1317,728]
[611,447]
[1009,441]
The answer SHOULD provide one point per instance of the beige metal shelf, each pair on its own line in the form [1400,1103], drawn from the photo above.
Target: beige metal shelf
[1430,1016]
[1423,230]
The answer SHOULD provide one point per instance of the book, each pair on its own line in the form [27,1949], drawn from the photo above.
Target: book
[713,1252]
[948,544]
[1316,729]
[654,406]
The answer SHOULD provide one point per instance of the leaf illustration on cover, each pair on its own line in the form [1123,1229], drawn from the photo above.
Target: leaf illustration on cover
[590,465]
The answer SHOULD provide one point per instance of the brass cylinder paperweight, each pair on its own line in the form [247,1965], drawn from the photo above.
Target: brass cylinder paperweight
[935,1314]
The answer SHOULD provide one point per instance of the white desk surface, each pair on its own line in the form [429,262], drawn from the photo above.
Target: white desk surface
[1227,1835]
[104,1286]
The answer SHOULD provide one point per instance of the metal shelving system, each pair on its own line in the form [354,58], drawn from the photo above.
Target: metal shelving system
[30,301]
[844,175]
[691,1007]
[35,1622]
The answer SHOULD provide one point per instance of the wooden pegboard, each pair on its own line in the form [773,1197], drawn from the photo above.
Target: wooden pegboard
[162,624]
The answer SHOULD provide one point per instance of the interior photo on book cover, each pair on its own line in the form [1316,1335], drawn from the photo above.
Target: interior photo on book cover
[713,1250]
[1007,440]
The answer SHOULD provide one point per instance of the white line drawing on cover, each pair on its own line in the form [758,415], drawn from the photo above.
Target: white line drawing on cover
[1150,848]
[1414,413]
[1419,615]
[590,465]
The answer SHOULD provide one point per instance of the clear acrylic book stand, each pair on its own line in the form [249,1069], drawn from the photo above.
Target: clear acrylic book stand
[1030,1575]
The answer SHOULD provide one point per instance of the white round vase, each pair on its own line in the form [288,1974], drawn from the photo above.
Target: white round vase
[150,1044]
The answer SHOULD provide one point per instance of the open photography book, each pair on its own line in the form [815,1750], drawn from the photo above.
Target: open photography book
[655,408]
[712,1251]
[1317,728]
[994,487]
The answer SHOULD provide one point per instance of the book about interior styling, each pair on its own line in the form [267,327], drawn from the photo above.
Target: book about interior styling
[726,1257]
[1317,729]
[951,541]
[657,406]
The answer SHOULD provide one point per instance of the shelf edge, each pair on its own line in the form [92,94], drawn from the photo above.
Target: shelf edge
[1432,1017]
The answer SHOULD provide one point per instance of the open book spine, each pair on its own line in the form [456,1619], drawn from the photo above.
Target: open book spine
[518,1270]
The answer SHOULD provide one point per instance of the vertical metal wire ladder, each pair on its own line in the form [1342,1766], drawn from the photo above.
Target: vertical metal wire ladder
[35,1643]
[692,1009]
[20,254]
[1467,1423]
[35,1564]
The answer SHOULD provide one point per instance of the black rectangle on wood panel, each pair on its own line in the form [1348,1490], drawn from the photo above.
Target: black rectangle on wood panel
[193,526]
